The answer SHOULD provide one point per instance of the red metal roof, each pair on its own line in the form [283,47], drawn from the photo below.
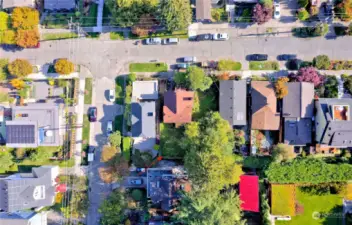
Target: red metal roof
[249,193]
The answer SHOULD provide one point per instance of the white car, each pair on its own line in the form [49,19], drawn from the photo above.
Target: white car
[277,10]
[111,95]
[153,41]
[109,128]
[220,37]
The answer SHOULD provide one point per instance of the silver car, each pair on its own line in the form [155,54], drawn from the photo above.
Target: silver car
[109,128]
[153,41]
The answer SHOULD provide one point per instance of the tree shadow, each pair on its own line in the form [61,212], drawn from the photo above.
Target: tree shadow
[334,216]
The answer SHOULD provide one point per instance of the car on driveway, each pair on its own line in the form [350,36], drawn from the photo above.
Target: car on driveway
[111,95]
[277,13]
[136,181]
[152,41]
[92,114]
[109,128]
[257,57]
[204,37]
[286,57]
[220,37]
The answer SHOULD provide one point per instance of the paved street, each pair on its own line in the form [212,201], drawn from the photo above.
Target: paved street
[109,58]
[106,111]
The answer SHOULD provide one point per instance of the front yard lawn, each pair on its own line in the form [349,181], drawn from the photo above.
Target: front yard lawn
[170,140]
[283,199]
[329,205]
[116,36]
[88,91]
[266,65]
[229,65]
[148,67]
[204,102]
[126,148]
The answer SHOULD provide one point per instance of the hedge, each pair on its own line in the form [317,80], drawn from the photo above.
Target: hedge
[148,67]
[229,65]
[305,32]
[308,171]
[267,65]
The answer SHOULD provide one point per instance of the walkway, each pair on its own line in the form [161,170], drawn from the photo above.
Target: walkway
[100,16]
[79,121]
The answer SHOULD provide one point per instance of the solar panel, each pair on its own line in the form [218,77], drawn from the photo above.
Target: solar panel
[20,134]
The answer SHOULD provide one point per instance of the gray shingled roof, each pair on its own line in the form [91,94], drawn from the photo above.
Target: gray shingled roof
[233,102]
[23,218]
[18,192]
[59,4]
[332,132]
[6,4]
[143,119]
[298,131]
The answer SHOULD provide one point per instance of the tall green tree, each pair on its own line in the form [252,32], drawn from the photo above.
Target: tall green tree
[5,161]
[214,208]
[176,14]
[112,209]
[283,152]
[195,79]
[115,139]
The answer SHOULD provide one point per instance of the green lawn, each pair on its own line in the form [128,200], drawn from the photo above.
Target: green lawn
[126,148]
[170,141]
[85,138]
[266,65]
[204,102]
[229,65]
[330,205]
[4,97]
[58,36]
[283,199]
[88,91]
[119,90]
[116,36]
[148,67]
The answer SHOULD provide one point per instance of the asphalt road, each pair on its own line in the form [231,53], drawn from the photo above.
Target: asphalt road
[109,58]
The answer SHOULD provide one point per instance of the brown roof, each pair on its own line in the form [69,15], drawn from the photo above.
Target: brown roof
[264,115]
[178,106]
[203,9]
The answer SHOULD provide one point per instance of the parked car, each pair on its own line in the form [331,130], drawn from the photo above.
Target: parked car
[109,128]
[220,37]
[140,170]
[286,57]
[91,154]
[92,114]
[136,181]
[257,57]
[204,37]
[111,95]
[170,41]
[153,41]
[189,59]
[277,13]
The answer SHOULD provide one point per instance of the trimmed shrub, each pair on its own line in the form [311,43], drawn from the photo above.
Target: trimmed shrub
[321,62]
[137,195]
[303,14]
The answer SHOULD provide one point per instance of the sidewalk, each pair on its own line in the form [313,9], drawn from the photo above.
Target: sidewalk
[79,109]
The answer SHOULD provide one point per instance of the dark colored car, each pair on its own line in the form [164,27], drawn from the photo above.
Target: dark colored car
[204,37]
[327,8]
[286,57]
[92,114]
[257,57]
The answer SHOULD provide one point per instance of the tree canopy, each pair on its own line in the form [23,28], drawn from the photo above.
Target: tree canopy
[5,161]
[112,209]
[282,152]
[214,208]
[308,74]
[27,38]
[209,160]
[25,18]
[195,79]
[281,88]
[115,139]
[176,14]
[20,68]
[4,21]
[262,13]
[321,62]
[64,66]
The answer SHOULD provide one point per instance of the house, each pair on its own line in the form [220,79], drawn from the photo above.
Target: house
[59,4]
[178,106]
[23,218]
[23,191]
[143,114]
[203,10]
[145,90]
[233,102]
[333,124]
[297,111]
[164,186]
[249,193]
[9,4]
[264,106]
[34,125]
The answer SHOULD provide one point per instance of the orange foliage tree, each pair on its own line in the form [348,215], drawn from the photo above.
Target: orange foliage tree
[27,38]
[25,18]
[64,66]
[144,26]
[20,68]
[17,83]
[281,88]
[8,37]
[224,76]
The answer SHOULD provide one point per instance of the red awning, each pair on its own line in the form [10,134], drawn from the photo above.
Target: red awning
[61,188]
[249,193]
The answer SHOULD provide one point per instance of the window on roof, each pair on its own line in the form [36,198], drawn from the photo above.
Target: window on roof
[187,99]
[150,114]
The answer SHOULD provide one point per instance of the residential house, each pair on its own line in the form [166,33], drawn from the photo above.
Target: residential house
[333,124]
[178,106]
[59,4]
[143,114]
[264,106]
[203,10]
[297,111]
[233,102]
[23,218]
[164,186]
[23,191]
[249,193]
[9,4]
[34,125]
